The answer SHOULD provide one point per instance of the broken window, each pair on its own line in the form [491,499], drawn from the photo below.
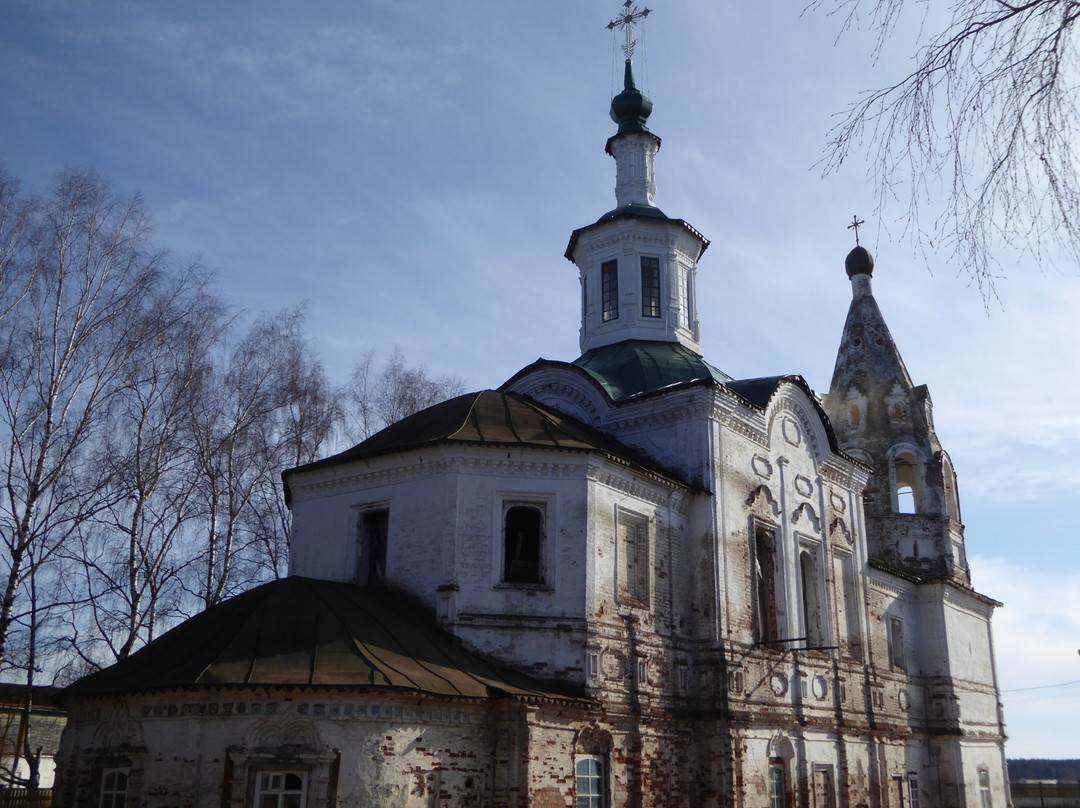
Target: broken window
[523,534]
[279,789]
[372,529]
[811,600]
[777,785]
[632,551]
[589,775]
[609,290]
[650,287]
[114,786]
[765,621]
[896,644]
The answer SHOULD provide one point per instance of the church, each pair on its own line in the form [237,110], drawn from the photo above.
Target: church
[623,580]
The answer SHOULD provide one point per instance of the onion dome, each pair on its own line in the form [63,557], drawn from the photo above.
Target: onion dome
[859,262]
[630,109]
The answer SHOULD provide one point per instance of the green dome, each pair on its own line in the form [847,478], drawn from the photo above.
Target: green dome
[630,109]
[637,367]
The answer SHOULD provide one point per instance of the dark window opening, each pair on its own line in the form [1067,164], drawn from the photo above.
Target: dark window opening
[609,290]
[815,636]
[764,585]
[650,287]
[373,528]
[522,539]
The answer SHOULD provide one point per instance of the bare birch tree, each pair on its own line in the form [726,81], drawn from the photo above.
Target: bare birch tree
[977,140]
[375,398]
[124,568]
[65,348]
[269,403]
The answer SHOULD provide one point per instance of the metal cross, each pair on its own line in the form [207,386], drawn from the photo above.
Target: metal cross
[626,21]
[855,222]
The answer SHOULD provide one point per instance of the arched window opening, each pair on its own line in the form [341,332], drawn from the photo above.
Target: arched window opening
[952,500]
[765,621]
[811,597]
[907,472]
[522,539]
[777,784]
[590,775]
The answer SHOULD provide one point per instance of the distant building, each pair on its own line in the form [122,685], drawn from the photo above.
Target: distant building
[30,723]
[625,580]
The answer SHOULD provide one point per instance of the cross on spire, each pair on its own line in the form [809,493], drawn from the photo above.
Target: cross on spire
[855,222]
[630,15]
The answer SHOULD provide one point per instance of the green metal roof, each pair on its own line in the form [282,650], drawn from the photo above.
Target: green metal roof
[636,367]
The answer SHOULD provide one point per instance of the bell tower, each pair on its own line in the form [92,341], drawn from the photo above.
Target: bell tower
[882,419]
[638,267]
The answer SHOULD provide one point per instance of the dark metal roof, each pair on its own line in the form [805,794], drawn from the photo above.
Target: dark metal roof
[635,211]
[310,633]
[493,418]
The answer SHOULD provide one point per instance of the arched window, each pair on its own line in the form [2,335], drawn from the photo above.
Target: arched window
[591,781]
[777,784]
[907,473]
[811,600]
[523,532]
[764,583]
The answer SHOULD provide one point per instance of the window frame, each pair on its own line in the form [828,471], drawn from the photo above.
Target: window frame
[366,560]
[897,657]
[650,287]
[985,795]
[111,794]
[777,775]
[913,799]
[764,580]
[599,778]
[633,582]
[506,561]
[609,291]
[259,790]
[543,501]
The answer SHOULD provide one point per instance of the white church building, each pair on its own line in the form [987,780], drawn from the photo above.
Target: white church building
[623,580]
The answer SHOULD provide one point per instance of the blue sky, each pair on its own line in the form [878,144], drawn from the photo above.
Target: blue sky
[414,169]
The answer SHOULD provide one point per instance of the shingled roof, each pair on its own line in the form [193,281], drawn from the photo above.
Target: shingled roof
[311,633]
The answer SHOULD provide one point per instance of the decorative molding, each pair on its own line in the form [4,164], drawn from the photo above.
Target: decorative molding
[763,490]
[789,428]
[838,524]
[761,466]
[804,485]
[808,509]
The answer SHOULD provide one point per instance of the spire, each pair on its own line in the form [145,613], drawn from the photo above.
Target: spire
[638,266]
[867,350]
[884,420]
